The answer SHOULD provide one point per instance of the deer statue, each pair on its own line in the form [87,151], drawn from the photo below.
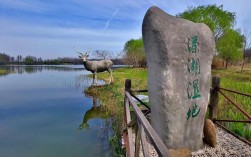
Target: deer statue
[97,66]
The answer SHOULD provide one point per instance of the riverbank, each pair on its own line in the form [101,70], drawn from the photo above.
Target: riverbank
[112,96]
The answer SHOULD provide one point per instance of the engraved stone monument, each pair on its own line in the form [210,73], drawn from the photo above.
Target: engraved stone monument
[179,55]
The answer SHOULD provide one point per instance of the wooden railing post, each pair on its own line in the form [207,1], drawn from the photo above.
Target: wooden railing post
[128,85]
[137,141]
[127,119]
[214,98]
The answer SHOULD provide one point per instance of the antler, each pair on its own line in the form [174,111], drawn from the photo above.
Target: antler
[78,52]
[87,53]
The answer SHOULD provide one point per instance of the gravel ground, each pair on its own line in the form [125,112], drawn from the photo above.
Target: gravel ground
[227,146]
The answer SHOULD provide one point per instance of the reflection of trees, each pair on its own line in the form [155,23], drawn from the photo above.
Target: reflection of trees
[4,74]
[20,69]
[5,71]
[30,69]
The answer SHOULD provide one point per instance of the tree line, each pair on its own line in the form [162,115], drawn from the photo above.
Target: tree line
[29,60]
[32,60]
[231,44]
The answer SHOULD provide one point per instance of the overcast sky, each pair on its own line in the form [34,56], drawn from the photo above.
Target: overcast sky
[54,28]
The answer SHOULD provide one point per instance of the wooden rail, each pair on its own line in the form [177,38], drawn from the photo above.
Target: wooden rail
[213,107]
[143,129]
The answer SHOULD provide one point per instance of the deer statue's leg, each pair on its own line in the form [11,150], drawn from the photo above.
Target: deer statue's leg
[93,78]
[96,81]
[111,78]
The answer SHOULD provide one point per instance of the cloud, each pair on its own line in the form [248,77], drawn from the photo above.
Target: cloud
[51,29]
[53,41]
[27,5]
[108,22]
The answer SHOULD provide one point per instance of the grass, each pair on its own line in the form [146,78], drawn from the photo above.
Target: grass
[112,96]
[233,79]
[3,72]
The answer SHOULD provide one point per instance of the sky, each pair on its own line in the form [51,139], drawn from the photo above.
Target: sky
[57,28]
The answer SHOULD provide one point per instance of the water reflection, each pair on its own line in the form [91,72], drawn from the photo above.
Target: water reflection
[98,118]
[97,111]
[42,111]
[20,69]
[79,82]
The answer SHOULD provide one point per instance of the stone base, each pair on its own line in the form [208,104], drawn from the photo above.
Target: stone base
[184,152]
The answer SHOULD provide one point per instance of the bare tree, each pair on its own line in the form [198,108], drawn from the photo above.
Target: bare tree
[247,45]
[102,54]
[116,55]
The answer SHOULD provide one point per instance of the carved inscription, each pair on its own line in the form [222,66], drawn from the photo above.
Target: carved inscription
[193,68]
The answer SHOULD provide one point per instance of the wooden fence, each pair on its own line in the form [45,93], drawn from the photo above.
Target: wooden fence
[216,90]
[143,128]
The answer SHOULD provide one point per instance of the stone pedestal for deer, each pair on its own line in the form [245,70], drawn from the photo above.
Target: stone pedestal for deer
[97,66]
[179,55]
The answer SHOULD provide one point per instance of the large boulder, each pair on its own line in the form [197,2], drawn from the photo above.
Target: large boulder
[179,55]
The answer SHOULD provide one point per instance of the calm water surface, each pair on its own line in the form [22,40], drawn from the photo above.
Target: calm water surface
[44,113]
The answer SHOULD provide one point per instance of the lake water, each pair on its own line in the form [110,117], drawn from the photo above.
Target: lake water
[45,113]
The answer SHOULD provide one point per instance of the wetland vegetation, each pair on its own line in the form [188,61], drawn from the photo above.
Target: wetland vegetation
[112,96]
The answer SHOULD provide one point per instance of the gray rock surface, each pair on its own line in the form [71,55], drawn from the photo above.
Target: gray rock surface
[179,55]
